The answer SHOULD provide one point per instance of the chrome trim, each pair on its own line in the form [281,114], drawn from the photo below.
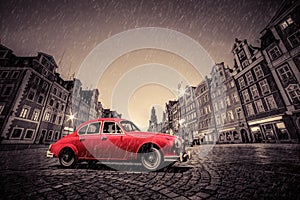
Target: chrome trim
[49,154]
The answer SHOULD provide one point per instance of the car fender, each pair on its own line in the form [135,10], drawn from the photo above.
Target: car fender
[69,146]
[148,142]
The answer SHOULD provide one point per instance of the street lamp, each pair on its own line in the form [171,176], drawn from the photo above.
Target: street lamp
[71,118]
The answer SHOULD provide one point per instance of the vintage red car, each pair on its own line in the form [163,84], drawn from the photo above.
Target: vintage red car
[115,139]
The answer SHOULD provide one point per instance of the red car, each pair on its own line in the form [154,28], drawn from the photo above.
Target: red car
[112,139]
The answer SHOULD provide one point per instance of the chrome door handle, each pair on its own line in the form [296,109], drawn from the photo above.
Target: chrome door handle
[103,138]
[81,139]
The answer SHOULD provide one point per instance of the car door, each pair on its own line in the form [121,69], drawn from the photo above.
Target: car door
[89,138]
[112,138]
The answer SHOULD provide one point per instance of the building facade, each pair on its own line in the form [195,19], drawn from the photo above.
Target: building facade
[260,97]
[280,43]
[25,84]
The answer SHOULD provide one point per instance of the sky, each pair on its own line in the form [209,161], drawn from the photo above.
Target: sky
[79,33]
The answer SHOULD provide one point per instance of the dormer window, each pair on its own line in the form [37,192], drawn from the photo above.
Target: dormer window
[286,23]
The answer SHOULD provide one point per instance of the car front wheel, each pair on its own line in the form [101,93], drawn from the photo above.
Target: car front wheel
[67,157]
[152,159]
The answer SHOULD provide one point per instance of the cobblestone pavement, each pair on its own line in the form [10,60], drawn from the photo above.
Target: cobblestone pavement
[258,171]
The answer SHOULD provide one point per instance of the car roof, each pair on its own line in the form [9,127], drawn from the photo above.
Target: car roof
[102,119]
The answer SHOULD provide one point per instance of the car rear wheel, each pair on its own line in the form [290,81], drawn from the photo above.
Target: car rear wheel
[152,159]
[67,157]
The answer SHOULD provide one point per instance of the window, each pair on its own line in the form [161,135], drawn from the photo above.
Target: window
[221,104]
[45,72]
[271,104]
[232,83]
[47,117]
[82,130]
[31,95]
[4,74]
[94,128]
[1,108]
[249,77]
[294,39]
[45,86]
[218,121]
[111,127]
[59,120]
[41,99]
[264,86]
[230,115]
[258,72]
[24,112]
[29,133]
[35,115]
[245,63]
[60,94]
[57,105]
[241,54]
[56,136]
[36,80]
[254,91]
[249,109]
[17,133]
[228,101]
[55,91]
[54,118]
[223,115]
[286,23]
[294,93]
[259,106]
[215,106]
[285,72]
[241,82]
[62,107]
[15,75]
[235,97]
[50,135]
[7,90]
[238,113]
[274,53]
[246,96]
[51,102]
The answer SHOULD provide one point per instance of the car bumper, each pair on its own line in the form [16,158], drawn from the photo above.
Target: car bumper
[49,154]
[185,156]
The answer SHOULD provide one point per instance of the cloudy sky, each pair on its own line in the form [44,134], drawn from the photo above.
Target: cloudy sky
[72,30]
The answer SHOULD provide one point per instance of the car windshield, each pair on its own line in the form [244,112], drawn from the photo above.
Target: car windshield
[129,126]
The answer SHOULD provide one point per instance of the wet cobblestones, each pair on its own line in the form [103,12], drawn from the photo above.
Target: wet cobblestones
[259,171]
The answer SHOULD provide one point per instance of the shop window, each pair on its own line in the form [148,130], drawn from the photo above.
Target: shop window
[258,72]
[274,53]
[56,136]
[16,133]
[294,93]
[29,134]
[282,131]
[50,135]
[264,86]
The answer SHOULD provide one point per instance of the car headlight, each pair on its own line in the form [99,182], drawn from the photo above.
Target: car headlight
[178,143]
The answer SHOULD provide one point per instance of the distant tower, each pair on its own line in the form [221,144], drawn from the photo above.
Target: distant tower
[153,121]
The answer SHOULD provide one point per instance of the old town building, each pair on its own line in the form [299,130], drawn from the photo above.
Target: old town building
[261,99]
[206,127]
[25,84]
[173,116]
[280,43]
[230,122]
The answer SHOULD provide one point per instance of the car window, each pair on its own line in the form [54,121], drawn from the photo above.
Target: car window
[93,128]
[129,126]
[111,128]
[82,130]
